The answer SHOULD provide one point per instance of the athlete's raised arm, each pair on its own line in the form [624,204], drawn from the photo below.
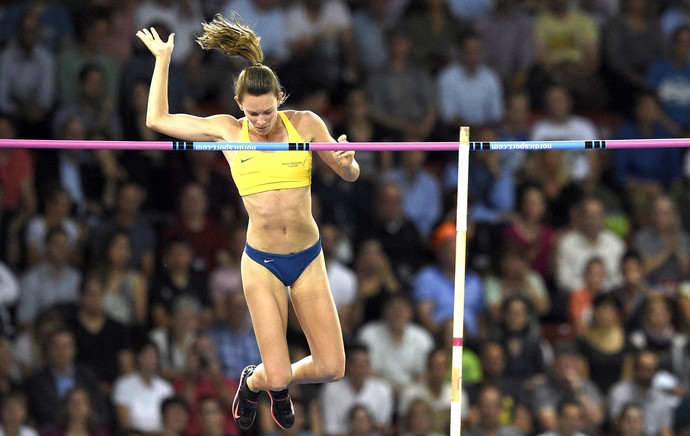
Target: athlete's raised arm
[158,117]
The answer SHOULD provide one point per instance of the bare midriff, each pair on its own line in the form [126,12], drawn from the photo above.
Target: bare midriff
[281,221]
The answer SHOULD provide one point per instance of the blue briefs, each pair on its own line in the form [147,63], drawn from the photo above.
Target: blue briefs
[287,267]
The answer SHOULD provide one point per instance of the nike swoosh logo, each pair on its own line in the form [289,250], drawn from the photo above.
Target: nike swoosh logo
[235,415]
[245,160]
[268,260]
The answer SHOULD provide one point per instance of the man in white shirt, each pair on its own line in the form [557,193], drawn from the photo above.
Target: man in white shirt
[398,349]
[589,239]
[358,387]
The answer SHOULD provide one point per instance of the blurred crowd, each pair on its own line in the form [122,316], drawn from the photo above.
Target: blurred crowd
[121,305]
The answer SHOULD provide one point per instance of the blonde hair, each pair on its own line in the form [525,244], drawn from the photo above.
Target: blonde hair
[233,38]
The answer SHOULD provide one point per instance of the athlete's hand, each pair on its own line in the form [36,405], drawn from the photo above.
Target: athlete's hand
[155,44]
[344,158]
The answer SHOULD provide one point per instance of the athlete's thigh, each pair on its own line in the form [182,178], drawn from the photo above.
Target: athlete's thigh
[268,305]
[316,311]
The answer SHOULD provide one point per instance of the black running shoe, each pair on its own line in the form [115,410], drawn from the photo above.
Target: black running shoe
[281,408]
[245,402]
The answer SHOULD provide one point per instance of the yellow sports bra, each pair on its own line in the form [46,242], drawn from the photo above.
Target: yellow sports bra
[261,171]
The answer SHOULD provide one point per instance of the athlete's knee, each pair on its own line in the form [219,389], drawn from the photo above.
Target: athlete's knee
[278,379]
[332,369]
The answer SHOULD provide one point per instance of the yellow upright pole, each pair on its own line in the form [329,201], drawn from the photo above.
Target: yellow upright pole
[459,305]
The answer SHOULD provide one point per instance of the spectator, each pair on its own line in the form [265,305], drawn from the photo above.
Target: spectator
[29,352]
[511,51]
[14,415]
[469,91]
[630,422]
[138,396]
[513,404]
[234,337]
[568,52]
[10,378]
[664,247]
[57,208]
[398,348]
[433,32]
[669,77]
[588,239]
[515,278]
[359,126]
[421,190]
[631,41]
[78,416]
[212,417]
[433,287]
[194,223]
[549,170]
[493,188]
[489,407]
[337,201]
[9,294]
[16,175]
[376,282]
[203,378]
[91,49]
[226,278]
[581,300]
[342,279]
[203,169]
[49,282]
[656,406]
[633,291]
[178,278]
[396,233]
[409,116]
[419,420]
[529,231]
[56,26]
[93,106]
[322,47]
[175,415]
[370,23]
[24,95]
[434,388]
[567,382]
[102,343]
[659,334]
[560,123]
[128,215]
[175,339]
[605,344]
[358,386]
[524,349]
[126,296]
[361,421]
[515,127]
[571,419]
[675,17]
[646,173]
[48,387]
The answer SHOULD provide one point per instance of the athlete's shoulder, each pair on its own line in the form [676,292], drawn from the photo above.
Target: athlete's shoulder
[226,125]
[304,121]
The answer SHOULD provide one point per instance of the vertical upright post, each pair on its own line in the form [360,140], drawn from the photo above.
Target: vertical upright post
[459,305]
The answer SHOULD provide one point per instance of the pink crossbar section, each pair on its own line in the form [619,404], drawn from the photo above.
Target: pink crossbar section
[457,342]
